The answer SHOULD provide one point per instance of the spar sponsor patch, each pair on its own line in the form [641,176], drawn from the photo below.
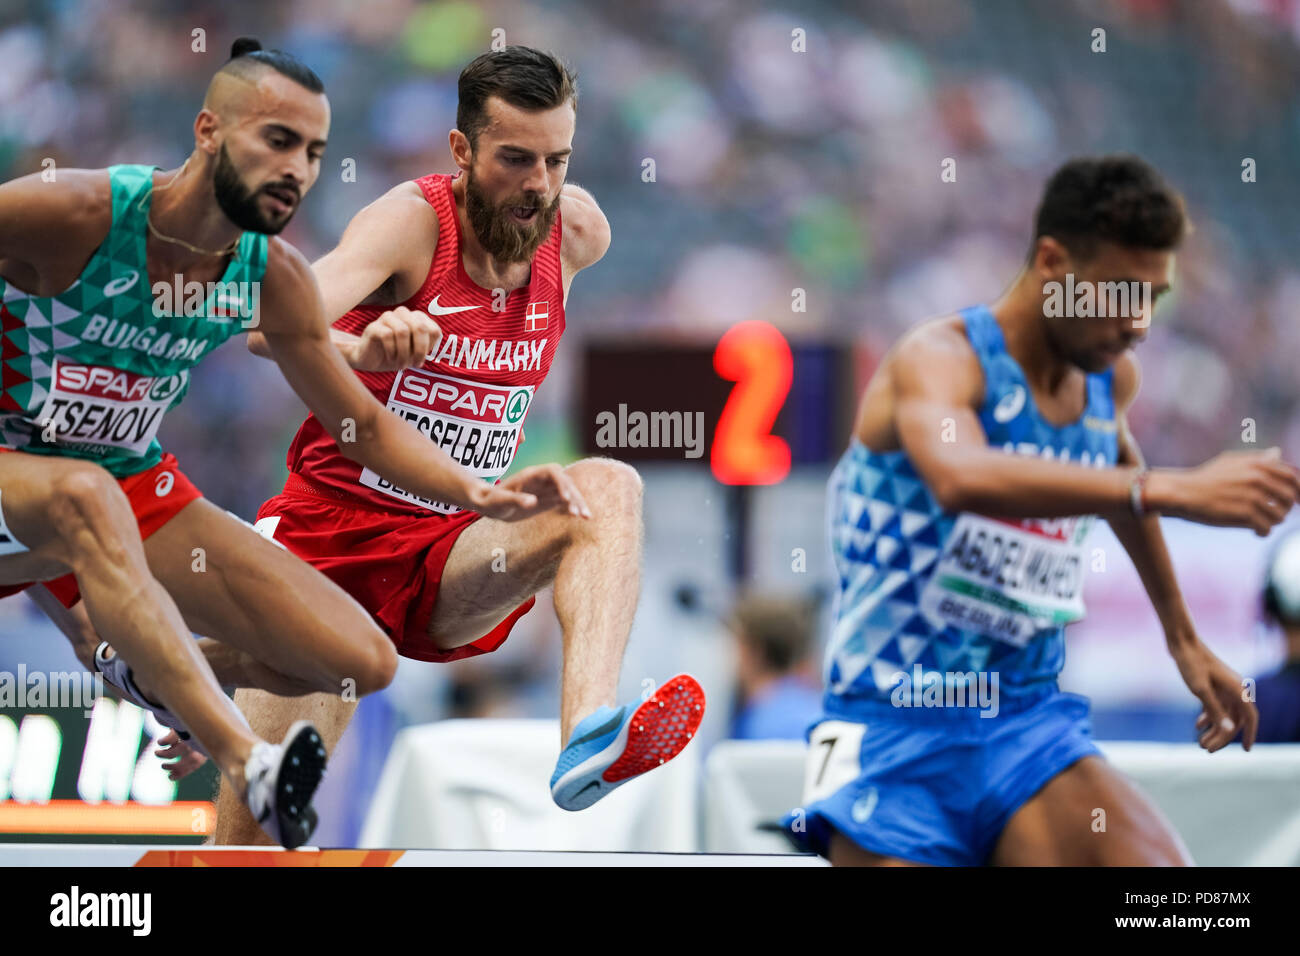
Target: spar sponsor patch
[95,406]
[476,424]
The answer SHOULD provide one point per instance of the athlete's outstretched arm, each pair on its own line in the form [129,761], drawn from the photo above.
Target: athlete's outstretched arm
[387,246]
[1216,685]
[937,387]
[40,219]
[296,331]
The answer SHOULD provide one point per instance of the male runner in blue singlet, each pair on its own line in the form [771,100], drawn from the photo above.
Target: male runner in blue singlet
[957,524]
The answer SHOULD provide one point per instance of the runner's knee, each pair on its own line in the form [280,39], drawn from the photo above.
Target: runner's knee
[373,666]
[84,502]
[612,489]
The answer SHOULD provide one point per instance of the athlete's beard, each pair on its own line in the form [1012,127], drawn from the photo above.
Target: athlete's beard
[239,203]
[503,238]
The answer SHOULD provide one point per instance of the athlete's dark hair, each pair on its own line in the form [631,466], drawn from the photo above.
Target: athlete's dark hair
[1120,199]
[247,51]
[520,75]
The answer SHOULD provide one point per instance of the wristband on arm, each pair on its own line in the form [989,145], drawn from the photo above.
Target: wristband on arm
[1137,491]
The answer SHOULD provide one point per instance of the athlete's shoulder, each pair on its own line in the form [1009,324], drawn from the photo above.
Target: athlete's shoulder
[285,262]
[940,339]
[1126,381]
[288,285]
[938,351]
[401,223]
[586,230]
[407,201]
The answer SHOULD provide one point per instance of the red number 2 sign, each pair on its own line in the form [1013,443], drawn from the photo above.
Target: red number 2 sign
[756,356]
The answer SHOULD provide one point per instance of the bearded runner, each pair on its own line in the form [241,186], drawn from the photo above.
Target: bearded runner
[451,293]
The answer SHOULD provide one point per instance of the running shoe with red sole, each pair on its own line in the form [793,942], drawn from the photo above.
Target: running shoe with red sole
[614,744]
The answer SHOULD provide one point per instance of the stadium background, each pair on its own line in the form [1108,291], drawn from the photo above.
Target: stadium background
[775,171]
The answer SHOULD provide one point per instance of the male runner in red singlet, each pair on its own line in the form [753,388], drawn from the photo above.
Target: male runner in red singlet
[481,263]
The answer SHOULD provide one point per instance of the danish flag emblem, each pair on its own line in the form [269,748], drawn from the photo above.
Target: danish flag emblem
[535,317]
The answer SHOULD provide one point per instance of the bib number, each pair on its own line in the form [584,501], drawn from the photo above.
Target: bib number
[834,758]
[477,425]
[1008,581]
[97,407]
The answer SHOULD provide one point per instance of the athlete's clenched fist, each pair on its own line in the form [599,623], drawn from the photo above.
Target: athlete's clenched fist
[400,338]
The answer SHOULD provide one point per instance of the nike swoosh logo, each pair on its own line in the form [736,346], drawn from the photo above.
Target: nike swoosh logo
[611,724]
[435,309]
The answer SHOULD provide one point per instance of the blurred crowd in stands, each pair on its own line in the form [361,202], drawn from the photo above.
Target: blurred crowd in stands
[795,145]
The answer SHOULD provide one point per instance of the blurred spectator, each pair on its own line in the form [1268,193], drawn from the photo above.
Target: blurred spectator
[1278,695]
[476,689]
[777,692]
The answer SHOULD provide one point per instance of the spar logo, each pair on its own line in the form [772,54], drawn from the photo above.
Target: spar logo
[470,401]
[165,388]
[517,405]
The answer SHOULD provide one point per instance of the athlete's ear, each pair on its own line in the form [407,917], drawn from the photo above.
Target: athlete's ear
[206,126]
[1051,258]
[461,151]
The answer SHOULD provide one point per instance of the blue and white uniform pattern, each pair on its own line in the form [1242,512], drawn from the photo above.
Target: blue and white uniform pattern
[896,551]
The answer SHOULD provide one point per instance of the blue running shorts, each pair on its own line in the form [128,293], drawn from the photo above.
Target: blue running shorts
[934,785]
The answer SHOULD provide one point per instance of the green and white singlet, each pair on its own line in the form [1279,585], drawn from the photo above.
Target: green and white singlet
[90,372]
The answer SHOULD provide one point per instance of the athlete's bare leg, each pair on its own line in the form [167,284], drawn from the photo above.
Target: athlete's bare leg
[73,516]
[329,713]
[595,565]
[272,620]
[1089,815]
[234,668]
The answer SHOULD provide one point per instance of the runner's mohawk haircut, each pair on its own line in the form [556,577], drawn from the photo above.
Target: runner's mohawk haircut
[523,77]
[247,57]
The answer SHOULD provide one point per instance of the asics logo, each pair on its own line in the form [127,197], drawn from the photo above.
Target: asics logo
[865,805]
[435,309]
[163,486]
[1010,405]
[120,284]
